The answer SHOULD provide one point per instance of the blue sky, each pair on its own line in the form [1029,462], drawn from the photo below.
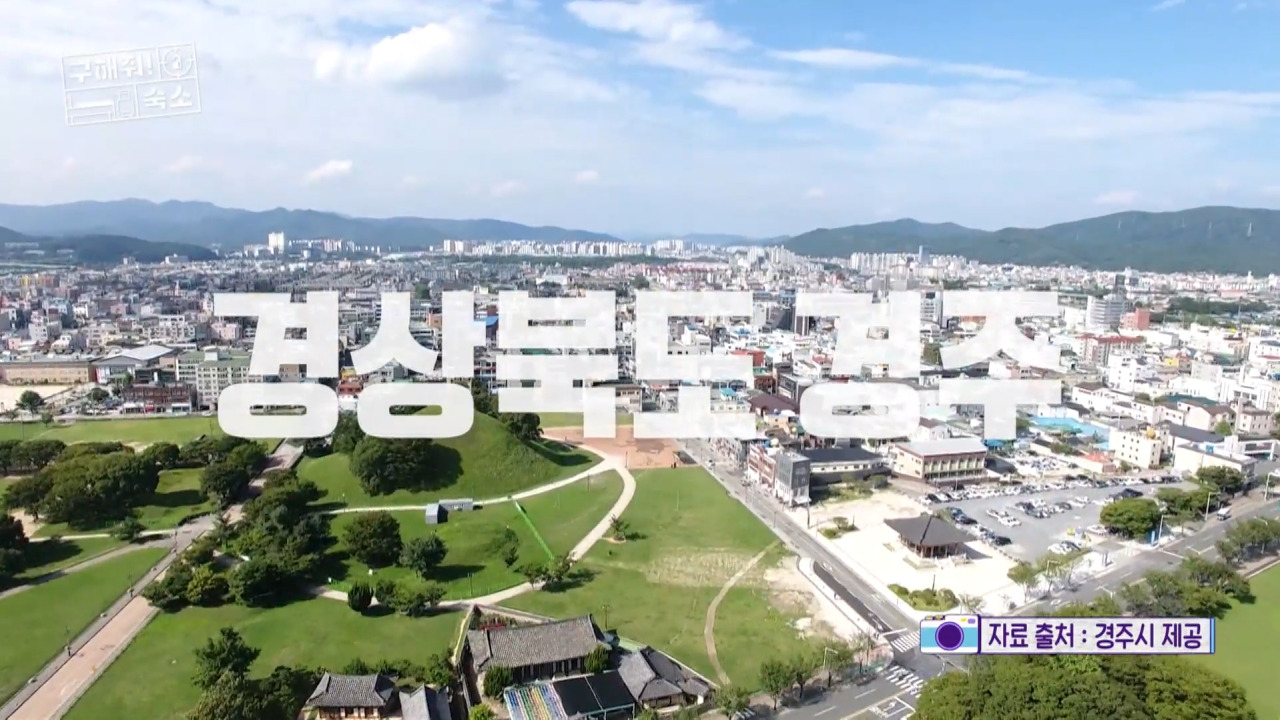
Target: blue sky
[757,117]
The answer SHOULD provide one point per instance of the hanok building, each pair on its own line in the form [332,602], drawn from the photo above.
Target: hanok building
[372,696]
[656,681]
[928,536]
[535,652]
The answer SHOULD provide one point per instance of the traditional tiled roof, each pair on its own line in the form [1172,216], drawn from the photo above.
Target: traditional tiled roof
[652,676]
[352,691]
[424,704]
[528,645]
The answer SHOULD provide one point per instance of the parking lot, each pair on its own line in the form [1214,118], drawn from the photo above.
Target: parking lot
[1032,537]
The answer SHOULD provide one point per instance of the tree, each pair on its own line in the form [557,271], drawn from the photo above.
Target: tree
[260,582]
[250,456]
[775,679]
[286,689]
[207,587]
[439,671]
[423,555]
[231,697]
[11,563]
[1026,576]
[360,597]
[533,572]
[347,434]
[801,668]
[12,536]
[496,679]
[525,426]
[510,555]
[556,572]
[1221,479]
[224,481]
[227,653]
[417,601]
[972,604]
[27,493]
[731,700]
[35,455]
[1131,517]
[384,465]
[1223,428]
[597,660]
[481,712]
[128,530]
[374,539]
[30,401]
[385,591]
[98,395]
[169,593]
[618,528]
[163,455]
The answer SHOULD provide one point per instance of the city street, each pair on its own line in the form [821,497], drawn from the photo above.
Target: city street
[1165,557]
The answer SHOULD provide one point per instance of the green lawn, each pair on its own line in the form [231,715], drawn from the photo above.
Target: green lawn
[177,430]
[177,496]
[574,420]
[565,516]
[1248,643]
[49,555]
[486,463]
[36,624]
[152,679]
[655,588]
[472,567]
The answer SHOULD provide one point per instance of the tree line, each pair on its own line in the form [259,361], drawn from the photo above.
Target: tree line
[274,553]
[1139,517]
[1084,687]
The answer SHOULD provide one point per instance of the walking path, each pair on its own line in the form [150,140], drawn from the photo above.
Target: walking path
[596,469]
[709,627]
[56,688]
[611,462]
[82,565]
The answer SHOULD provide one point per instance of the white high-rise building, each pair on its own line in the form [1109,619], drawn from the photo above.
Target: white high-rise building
[1104,313]
[277,243]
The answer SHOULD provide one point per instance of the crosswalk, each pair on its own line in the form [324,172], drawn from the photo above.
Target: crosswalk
[904,678]
[906,643]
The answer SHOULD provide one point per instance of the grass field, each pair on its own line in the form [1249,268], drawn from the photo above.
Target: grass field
[152,678]
[177,496]
[565,516]
[1248,642]
[177,430]
[690,538]
[486,463]
[472,567]
[559,420]
[36,624]
[49,556]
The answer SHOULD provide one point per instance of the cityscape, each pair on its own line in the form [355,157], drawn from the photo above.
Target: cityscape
[639,360]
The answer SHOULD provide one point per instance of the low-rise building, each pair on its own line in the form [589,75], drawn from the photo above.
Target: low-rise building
[1141,449]
[47,371]
[953,461]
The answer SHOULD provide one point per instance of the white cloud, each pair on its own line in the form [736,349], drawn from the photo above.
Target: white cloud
[328,171]
[1120,198]
[586,177]
[69,163]
[505,188]
[1166,5]
[190,163]
[467,94]
[1273,190]
[815,193]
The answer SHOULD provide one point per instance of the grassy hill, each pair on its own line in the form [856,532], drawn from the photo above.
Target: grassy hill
[488,462]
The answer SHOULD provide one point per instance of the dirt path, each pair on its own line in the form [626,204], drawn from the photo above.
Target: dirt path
[709,627]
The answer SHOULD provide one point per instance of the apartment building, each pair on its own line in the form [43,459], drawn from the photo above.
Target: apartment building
[1139,449]
[213,370]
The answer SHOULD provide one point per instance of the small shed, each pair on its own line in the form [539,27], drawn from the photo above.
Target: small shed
[460,505]
[436,514]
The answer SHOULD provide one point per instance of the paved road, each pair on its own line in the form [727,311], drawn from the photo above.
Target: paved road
[1166,557]
[878,611]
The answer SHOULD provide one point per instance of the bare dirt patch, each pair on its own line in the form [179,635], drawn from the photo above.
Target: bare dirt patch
[639,454]
[791,593]
[710,568]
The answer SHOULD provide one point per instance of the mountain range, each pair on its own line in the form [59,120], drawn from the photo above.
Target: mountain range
[1215,239]
[1218,239]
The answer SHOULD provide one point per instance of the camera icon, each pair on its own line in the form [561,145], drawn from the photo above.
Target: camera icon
[949,635]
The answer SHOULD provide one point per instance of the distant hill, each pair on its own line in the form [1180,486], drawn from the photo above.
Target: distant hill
[92,249]
[1217,239]
[206,224]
